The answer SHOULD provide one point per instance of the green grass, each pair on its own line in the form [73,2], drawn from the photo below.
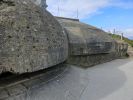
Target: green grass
[118,37]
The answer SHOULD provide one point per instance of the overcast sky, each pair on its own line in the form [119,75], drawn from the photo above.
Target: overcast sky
[108,14]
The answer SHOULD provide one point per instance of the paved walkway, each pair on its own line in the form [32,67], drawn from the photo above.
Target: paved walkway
[108,81]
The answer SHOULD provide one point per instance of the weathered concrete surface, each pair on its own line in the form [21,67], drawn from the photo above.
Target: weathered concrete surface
[89,45]
[30,38]
[94,59]
[109,81]
[41,3]
[130,51]
[85,39]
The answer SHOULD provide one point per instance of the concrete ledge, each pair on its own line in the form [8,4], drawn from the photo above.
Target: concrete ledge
[19,90]
[72,19]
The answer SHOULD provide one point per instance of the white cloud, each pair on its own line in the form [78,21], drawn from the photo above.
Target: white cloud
[86,8]
[69,8]
[128,32]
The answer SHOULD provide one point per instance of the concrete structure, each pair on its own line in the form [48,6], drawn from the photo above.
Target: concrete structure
[89,45]
[41,3]
[30,38]
[31,41]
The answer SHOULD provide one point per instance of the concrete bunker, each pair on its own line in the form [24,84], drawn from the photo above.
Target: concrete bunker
[31,39]
[89,45]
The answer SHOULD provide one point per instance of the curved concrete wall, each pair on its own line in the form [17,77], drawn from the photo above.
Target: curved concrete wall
[85,39]
[89,45]
[30,39]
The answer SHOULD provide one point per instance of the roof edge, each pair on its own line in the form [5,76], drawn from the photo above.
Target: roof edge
[73,19]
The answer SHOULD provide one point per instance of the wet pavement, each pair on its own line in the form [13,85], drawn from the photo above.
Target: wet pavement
[108,81]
